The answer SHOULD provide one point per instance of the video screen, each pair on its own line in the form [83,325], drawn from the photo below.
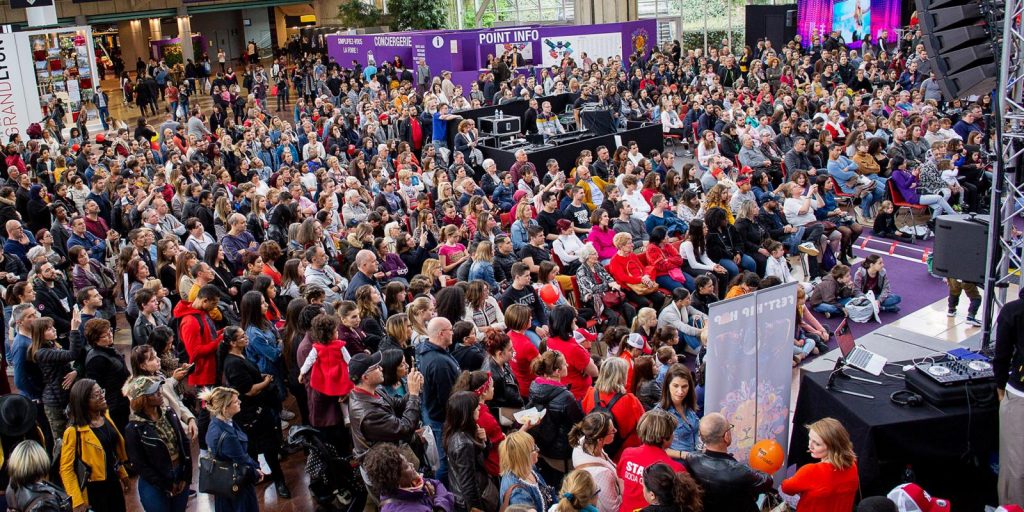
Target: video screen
[853,19]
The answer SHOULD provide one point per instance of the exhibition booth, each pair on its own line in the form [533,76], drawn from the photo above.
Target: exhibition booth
[465,52]
[39,66]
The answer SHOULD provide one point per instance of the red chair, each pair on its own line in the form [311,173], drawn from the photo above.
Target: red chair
[670,139]
[577,301]
[696,136]
[906,208]
[841,197]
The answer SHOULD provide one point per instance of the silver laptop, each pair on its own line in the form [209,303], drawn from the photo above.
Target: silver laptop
[856,355]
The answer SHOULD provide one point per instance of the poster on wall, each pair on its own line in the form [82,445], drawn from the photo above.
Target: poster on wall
[749,375]
[596,46]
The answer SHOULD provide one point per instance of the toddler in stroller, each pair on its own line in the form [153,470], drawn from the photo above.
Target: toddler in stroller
[334,483]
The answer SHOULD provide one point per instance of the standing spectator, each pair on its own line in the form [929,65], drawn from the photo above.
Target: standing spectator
[400,487]
[610,394]
[102,450]
[464,446]
[229,443]
[105,366]
[55,365]
[29,489]
[521,484]
[1010,388]
[562,412]
[165,467]
[439,374]
[668,489]
[199,335]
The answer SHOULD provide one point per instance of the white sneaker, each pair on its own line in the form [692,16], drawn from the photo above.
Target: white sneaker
[287,415]
[809,249]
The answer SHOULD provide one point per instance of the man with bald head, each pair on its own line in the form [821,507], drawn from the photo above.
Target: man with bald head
[439,371]
[366,274]
[728,485]
[18,241]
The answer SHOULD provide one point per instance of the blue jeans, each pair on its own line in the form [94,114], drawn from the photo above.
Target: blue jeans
[874,196]
[805,350]
[746,262]
[830,309]
[891,303]
[104,114]
[691,341]
[670,284]
[155,499]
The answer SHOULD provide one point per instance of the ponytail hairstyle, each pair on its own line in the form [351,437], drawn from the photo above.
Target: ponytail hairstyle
[548,363]
[578,491]
[589,431]
[230,334]
[671,489]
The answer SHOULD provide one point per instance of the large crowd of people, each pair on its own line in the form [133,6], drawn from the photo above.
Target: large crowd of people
[297,243]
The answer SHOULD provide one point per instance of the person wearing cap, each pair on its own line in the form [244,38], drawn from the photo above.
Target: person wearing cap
[164,468]
[910,497]
[831,484]
[375,416]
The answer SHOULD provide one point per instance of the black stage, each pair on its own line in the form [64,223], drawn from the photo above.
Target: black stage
[647,138]
[950,448]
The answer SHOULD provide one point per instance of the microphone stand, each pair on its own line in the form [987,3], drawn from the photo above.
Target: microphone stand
[838,371]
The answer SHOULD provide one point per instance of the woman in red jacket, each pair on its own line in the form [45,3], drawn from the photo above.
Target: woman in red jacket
[829,485]
[632,274]
[518,319]
[610,391]
[667,263]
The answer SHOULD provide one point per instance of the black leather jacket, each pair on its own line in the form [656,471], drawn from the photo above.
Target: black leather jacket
[466,471]
[506,389]
[38,497]
[563,411]
[381,418]
[728,485]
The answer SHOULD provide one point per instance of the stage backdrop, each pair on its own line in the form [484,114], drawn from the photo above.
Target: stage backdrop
[749,365]
[852,18]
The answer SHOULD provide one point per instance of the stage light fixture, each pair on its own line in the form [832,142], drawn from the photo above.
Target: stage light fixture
[961,38]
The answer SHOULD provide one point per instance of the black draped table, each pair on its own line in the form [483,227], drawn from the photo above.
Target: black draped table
[950,449]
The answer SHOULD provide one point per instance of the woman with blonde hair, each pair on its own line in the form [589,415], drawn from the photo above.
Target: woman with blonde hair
[579,493]
[433,271]
[29,488]
[228,442]
[420,311]
[832,483]
[589,438]
[611,393]
[521,483]
[482,267]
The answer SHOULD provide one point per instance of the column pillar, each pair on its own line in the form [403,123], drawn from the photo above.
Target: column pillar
[134,41]
[589,12]
[155,32]
[185,34]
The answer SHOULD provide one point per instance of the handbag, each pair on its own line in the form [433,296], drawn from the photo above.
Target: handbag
[222,478]
[677,275]
[83,472]
[612,298]
[643,289]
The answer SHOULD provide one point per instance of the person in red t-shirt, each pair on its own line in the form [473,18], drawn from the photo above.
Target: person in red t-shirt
[518,319]
[627,410]
[655,430]
[829,485]
[481,383]
[582,369]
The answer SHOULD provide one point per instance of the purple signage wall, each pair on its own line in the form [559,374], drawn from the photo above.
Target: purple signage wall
[384,47]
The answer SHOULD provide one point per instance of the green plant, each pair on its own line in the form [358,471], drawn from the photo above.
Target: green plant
[417,14]
[172,54]
[355,13]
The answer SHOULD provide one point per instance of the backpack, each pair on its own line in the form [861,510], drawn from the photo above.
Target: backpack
[179,344]
[620,436]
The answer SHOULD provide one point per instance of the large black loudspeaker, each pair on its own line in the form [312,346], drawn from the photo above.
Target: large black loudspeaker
[961,246]
[961,37]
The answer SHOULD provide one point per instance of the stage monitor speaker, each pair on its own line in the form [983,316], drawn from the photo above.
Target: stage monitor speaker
[500,125]
[791,18]
[961,246]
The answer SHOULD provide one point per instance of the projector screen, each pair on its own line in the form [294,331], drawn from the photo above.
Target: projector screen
[854,19]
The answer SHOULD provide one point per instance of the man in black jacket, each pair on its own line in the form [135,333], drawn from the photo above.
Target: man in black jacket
[729,486]
[439,372]
[1007,365]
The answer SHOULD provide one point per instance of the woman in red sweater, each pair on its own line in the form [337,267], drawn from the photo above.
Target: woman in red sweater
[630,272]
[582,370]
[829,485]
[627,409]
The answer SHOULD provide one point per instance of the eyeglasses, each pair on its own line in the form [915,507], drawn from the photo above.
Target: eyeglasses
[100,393]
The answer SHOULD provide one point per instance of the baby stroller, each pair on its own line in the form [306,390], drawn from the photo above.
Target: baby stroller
[335,484]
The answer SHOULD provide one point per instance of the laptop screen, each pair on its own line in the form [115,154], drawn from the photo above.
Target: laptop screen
[845,339]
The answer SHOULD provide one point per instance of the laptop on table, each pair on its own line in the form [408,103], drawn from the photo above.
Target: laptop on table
[856,355]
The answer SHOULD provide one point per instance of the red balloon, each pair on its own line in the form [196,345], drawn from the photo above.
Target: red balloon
[549,294]
[766,455]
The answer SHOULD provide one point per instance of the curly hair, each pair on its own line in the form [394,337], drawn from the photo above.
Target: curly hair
[384,464]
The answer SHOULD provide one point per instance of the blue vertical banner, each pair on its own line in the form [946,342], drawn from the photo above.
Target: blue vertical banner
[749,365]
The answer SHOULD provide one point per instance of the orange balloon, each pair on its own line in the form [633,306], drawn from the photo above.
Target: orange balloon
[766,455]
[549,294]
